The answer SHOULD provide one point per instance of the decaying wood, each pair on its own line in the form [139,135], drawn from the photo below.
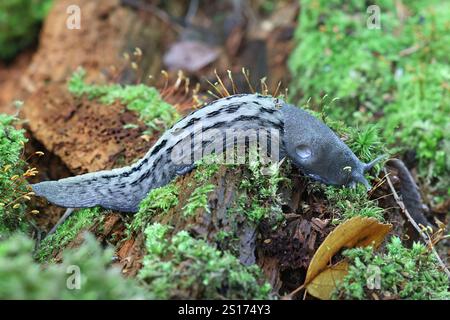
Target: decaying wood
[280,251]
[283,253]
[86,135]
[206,223]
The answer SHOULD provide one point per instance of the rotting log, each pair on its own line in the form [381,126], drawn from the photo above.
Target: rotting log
[86,135]
[283,253]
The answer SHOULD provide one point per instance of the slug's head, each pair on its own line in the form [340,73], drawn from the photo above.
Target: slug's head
[332,164]
[318,151]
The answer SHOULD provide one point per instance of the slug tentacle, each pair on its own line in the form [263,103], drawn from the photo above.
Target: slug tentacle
[372,163]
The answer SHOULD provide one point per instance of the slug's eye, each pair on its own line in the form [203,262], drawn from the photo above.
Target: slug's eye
[303,152]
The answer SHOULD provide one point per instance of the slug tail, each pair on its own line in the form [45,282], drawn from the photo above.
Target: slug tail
[90,190]
[62,194]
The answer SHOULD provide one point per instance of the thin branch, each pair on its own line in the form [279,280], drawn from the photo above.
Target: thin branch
[424,236]
[290,295]
[66,215]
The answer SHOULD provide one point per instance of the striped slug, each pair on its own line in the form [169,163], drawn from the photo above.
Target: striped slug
[312,146]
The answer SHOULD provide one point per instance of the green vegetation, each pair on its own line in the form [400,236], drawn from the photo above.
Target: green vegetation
[260,198]
[23,278]
[78,221]
[365,142]
[206,168]
[396,76]
[20,22]
[260,186]
[400,272]
[349,203]
[182,265]
[157,114]
[13,191]
[158,201]
[198,200]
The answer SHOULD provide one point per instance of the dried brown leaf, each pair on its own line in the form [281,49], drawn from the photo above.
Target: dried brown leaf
[324,284]
[355,232]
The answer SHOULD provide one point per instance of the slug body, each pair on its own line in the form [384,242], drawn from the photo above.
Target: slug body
[312,146]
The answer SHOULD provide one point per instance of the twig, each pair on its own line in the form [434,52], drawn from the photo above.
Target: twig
[290,295]
[38,236]
[410,192]
[410,50]
[66,215]
[424,236]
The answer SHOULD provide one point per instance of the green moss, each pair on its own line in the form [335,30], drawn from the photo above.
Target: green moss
[334,54]
[349,203]
[198,200]
[222,235]
[259,187]
[372,74]
[12,179]
[183,266]
[158,201]
[365,142]
[23,278]
[418,118]
[157,114]
[260,199]
[206,168]
[399,273]
[20,22]
[67,232]
[257,212]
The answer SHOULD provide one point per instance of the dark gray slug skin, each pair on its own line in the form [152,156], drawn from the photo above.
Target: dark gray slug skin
[312,146]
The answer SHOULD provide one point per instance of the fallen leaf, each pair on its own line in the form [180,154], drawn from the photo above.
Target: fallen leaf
[190,55]
[324,284]
[355,232]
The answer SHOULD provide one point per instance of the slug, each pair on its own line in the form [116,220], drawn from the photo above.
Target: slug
[311,145]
